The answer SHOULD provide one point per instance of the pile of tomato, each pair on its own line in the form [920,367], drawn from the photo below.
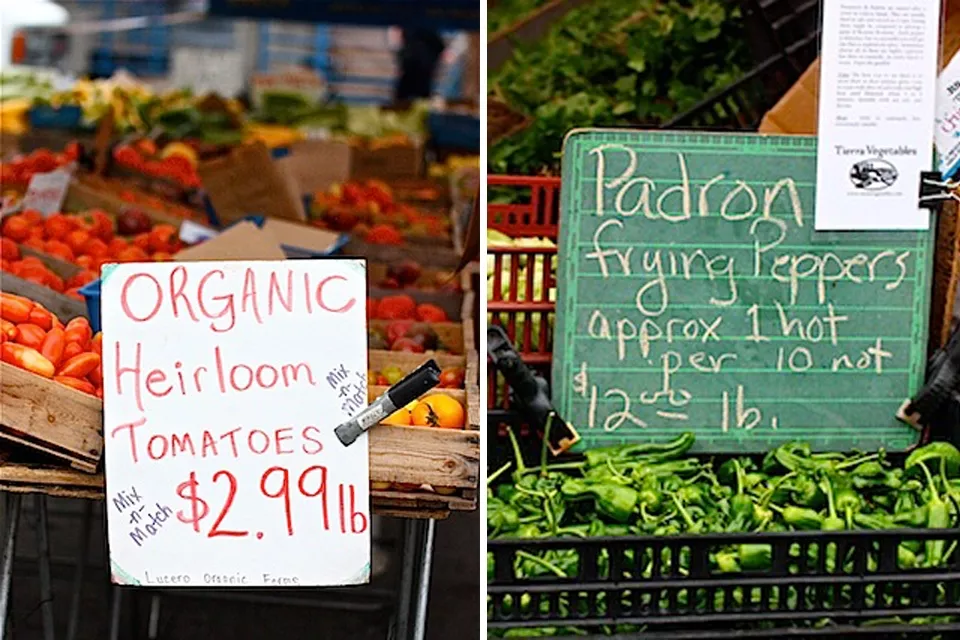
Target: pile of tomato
[86,240]
[17,173]
[143,159]
[34,339]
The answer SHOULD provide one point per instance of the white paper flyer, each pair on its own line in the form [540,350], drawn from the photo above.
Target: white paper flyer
[948,119]
[876,116]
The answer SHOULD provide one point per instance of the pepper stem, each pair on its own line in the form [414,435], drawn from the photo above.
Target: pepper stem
[858,461]
[930,482]
[549,566]
[521,467]
[499,472]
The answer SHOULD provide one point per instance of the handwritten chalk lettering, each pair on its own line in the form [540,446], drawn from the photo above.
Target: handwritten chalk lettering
[683,265]
[633,194]
[616,418]
[670,363]
[798,360]
[814,329]
[887,266]
[651,331]
[745,417]
[871,357]
[600,255]
[580,381]
[209,299]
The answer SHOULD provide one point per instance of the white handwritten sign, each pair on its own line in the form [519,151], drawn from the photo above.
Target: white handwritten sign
[46,191]
[223,383]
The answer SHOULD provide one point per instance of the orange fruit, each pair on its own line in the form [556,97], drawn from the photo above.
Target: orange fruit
[400,417]
[438,411]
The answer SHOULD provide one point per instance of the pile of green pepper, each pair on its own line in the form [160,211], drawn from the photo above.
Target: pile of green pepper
[660,490]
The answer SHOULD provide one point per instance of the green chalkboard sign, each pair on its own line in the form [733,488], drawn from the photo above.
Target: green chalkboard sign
[695,294]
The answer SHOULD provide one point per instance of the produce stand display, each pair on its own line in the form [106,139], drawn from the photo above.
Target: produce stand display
[567,557]
[403,458]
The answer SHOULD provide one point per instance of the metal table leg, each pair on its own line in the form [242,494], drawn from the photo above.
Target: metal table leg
[407,571]
[43,564]
[422,595]
[414,593]
[86,524]
[153,623]
[8,539]
[115,609]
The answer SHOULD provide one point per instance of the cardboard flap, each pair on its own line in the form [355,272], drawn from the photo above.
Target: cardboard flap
[301,236]
[242,241]
[317,164]
[247,182]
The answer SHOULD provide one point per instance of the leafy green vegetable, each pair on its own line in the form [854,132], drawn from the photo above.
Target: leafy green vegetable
[615,63]
[506,12]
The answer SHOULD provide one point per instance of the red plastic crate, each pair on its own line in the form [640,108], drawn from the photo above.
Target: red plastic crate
[538,216]
[525,314]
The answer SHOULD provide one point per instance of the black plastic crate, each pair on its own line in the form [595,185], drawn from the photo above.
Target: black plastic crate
[642,581]
[742,105]
[788,27]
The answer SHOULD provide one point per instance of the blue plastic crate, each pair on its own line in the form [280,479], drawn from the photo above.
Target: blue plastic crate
[454,131]
[91,293]
[47,117]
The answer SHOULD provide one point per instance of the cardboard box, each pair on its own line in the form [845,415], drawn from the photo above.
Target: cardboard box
[796,112]
[242,241]
[316,165]
[246,182]
[301,240]
[386,163]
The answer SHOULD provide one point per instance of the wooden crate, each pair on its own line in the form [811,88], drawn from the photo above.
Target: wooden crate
[429,276]
[51,481]
[64,307]
[433,257]
[450,301]
[378,359]
[84,194]
[449,333]
[66,424]
[50,417]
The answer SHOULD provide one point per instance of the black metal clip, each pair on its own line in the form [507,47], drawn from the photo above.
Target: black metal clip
[933,403]
[934,190]
[529,391]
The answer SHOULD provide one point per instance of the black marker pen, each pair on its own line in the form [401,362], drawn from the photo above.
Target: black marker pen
[411,387]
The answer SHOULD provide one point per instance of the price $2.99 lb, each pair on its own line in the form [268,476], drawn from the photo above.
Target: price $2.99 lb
[223,383]
[278,484]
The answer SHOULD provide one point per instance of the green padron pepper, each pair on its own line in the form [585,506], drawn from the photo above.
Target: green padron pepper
[501,517]
[614,501]
[801,518]
[643,452]
[755,557]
